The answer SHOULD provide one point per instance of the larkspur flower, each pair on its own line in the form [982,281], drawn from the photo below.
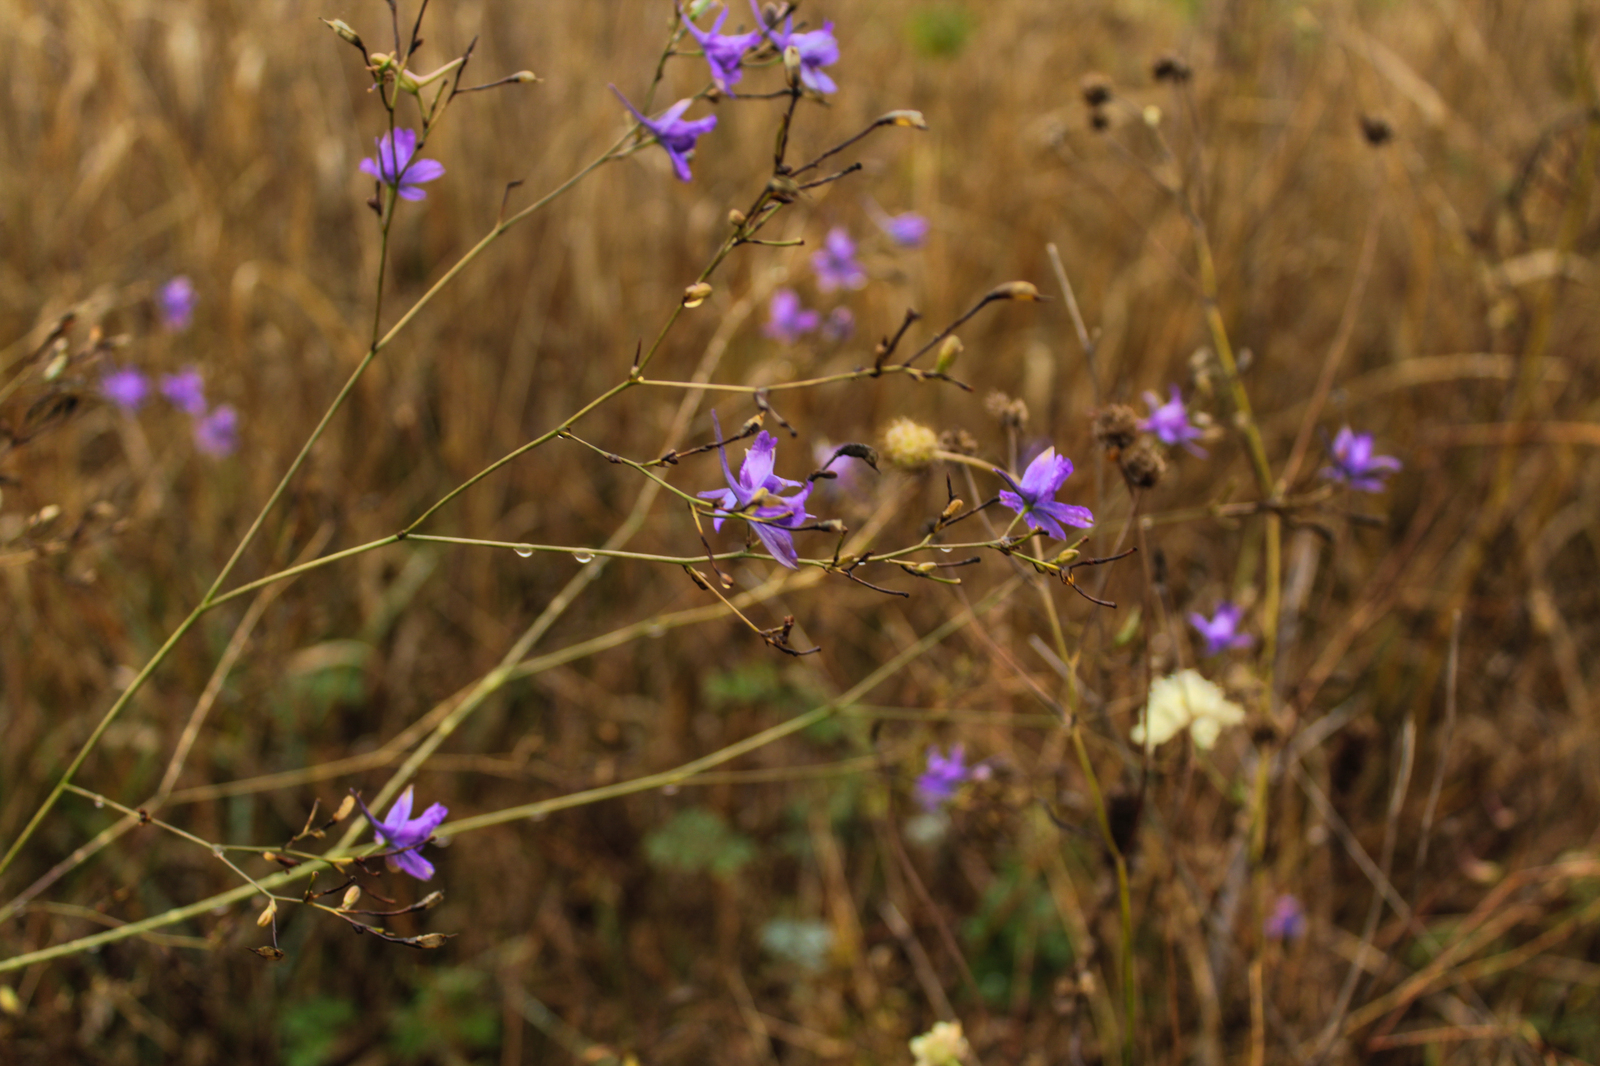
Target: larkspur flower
[786,319]
[1185,700]
[938,783]
[836,264]
[1221,630]
[177,299]
[1356,466]
[1170,422]
[1287,920]
[217,433]
[839,324]
[908,230]
[126,387]
[724,52]
[754,494]
[186,390]
[1034,496]
[407,834]
[672,133]
[817,49]
[394,165]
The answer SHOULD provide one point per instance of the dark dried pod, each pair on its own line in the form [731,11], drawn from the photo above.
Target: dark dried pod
[1171,67]
[1096,89]
[1376,130]
[1116,426]
[1142,465]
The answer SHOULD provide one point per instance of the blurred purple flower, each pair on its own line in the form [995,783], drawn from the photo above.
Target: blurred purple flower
[937,784]
[1221,631]
[394,165]
[672,133]
[754,494]
[1170,422]
[407,834]
[217,434]
[1356,466]
[836,264]
[126,387]
[177,299]
[786,319]
[839,325]
[908,230]
[723,52]
[817,48]
[1287,920]
[1034,496]
[186,390]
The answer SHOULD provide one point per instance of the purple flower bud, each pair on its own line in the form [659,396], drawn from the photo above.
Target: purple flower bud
[1287,920]
[786,319]
[836,264]
[186,391]
[217,434]
[908,230]
[177,299]
[126,387]
[394,165]
[1221,631]
[840,324]
[1356,466]
[1034,496]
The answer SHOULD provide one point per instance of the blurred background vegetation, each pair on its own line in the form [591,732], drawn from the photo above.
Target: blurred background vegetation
[789,907]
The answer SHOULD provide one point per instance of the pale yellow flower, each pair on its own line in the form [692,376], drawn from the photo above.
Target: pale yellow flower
[1182,701]
[943,1045]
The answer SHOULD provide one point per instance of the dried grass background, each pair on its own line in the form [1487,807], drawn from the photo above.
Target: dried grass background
[139,140]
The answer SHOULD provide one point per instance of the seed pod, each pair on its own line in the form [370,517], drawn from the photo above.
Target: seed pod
[268,912]
[696,294]
[948,353]
[352,896]
[346,805]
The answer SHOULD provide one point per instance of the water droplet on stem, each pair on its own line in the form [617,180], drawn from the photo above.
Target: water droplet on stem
[523,550]
[583,557]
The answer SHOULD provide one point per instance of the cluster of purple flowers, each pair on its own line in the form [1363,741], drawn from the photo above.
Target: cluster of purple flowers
[938,783]
[837,267]
[216,429]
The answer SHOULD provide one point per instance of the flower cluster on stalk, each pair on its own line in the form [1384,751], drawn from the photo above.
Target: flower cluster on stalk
[755,495]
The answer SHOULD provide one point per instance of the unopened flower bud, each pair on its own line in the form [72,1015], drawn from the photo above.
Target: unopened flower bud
[1016,290]
[951,509]
[736,217]
[525,77]
[791,66]
[910,445]
[911,119]
[948,351]
[832,525]
[431,940]
[56,365]
[352,896]
[270,856]
[268,912]
[346,805]
[1152,116]
[784,190]
[696,294]
[346,34]
[430,901]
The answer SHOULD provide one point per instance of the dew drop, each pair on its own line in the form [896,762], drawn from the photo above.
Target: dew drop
[524,550]
[99,802]
[947,551]
[583,557]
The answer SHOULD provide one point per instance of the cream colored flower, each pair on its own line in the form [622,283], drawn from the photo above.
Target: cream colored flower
[910,445]
[1186,701]
[943,1045]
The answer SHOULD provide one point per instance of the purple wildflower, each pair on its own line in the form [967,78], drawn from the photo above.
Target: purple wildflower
[1287,920]
[1034,496]
[908,230]
[724,52]
[126,387]
[817,49]
[1355,465]
[1170,422]
[407,834]
[836,264]
[177,299]
[217,434]
[754,495]
[1221,631]
[672,133]
[937,784]
[186,390]
[786,319]
[839,325]
[394,165]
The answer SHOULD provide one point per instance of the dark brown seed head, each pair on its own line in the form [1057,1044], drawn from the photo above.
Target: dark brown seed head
[1096,89]
[1143,464]
[1116,426]
[1170,67]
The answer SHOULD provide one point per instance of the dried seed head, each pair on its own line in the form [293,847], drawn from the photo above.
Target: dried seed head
[1171,67]
[958,441]
[1143,465]
[1096,89]
[696,294]
[1376,130]
[1099,121]
[1011,413]
[1116,426]
[910,445]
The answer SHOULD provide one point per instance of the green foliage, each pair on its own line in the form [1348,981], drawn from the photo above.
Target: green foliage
[449,1016]
[940,31]
[1016,908]
[804,943]
[697,840]
[310,1030]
